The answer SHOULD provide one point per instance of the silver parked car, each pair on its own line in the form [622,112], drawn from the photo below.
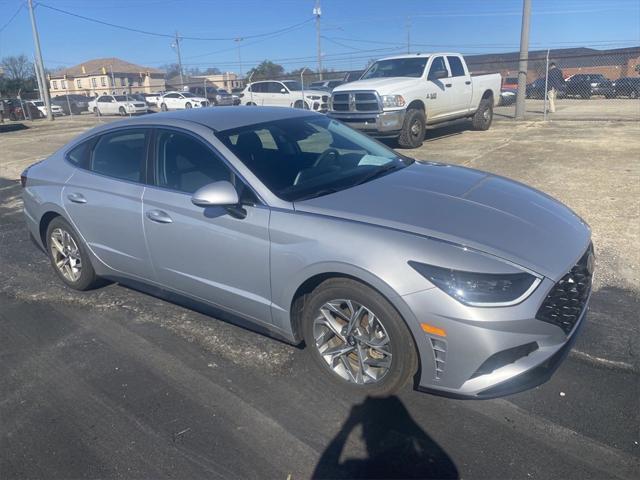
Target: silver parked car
[387,269]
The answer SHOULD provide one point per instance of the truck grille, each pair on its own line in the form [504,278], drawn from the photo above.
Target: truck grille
[566,301]
[355,102]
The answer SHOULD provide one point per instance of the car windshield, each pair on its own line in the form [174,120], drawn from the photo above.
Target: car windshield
[293,85]
[305,157]
[188,95]
[121,98]
[397,67]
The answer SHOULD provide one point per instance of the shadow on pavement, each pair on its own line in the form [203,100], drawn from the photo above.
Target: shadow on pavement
[396,446]
[12,127]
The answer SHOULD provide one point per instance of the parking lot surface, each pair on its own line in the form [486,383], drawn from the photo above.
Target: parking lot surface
[114,383]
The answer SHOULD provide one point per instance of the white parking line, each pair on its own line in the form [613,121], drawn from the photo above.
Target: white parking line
[602,361]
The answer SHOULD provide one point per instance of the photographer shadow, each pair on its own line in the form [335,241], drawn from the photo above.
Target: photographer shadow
[396,446]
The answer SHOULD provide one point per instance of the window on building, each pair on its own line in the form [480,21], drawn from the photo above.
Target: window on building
[64,84]
[79,82]
[103,81]
[94,84]
[54,84]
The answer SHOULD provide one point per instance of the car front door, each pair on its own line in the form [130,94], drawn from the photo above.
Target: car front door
[206,253]
[171,100]
[438,91]
[460,81]
[278,97]
[103,198]
[259,93]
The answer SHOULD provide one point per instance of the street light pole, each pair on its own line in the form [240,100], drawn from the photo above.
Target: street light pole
[238,40]
[177,45]
[523,64]
[317,11]
[39,62]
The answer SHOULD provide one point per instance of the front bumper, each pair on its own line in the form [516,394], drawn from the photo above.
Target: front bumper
[375,123]
[487,352]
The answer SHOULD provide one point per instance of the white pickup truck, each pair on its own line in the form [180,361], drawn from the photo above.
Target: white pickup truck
[397,97]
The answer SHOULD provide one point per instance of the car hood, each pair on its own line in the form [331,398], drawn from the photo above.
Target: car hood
[467,207]
[384,86]
[310,91]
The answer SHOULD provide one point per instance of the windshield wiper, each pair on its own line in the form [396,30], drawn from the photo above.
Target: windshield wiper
[377,172]
[319,193]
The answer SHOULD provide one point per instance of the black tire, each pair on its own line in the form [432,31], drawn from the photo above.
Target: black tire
[88,278]
[412,134]
[301,104]
[404,361]
[484,115]
[163,107]
[188,105]
[122,112]
[251,104]
[96,112]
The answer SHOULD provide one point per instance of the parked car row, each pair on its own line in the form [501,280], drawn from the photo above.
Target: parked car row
[586,85]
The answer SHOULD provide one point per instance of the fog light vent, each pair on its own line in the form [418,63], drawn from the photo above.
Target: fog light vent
[505,357]
[440,355]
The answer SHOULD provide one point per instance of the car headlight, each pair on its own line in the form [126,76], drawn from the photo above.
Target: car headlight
[390,101]
[480,289]
[314,97]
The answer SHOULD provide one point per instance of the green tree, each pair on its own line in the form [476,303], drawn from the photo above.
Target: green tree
[266,69]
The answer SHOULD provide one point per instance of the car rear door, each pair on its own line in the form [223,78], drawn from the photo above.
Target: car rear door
[103,198]
[205,253]
[461,87]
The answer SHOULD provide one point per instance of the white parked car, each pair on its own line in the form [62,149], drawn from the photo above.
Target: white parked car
[153,98]
[56,110]
[286,93]
[399,96]
[117,105]
[181,101]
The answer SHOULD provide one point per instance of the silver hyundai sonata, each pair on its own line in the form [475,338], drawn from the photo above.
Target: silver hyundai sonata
[387,269]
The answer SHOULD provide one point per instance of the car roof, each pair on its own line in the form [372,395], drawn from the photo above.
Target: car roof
[226,118]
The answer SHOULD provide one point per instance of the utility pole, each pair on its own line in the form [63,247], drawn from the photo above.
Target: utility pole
[238,40]
[177,46]
[318,12]
[113,80]
[408,34]
[523,64]
[38,79]
[39,62]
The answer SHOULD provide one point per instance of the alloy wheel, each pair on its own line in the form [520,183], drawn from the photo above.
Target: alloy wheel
[66,254]
[352,341]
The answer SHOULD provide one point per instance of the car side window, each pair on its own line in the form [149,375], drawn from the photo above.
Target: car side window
[121,154]
[457,70]
[437,64]
[258,88]
[276,87]
[80,154]
[186,164]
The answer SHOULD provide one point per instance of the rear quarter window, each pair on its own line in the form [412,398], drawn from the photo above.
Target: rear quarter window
[79,155]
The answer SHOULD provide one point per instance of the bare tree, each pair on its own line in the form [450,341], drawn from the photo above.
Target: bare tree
[17,67]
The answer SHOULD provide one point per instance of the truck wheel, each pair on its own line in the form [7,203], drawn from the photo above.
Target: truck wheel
[412,133]
[484,115]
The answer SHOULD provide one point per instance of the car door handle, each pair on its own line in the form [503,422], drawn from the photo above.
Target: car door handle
[448,85]
[468,82]
[76,198]
[159,216]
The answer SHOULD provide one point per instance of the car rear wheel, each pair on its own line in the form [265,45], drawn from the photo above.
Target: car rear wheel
[188,105]
[69,256]
[163,107]
[96,112]
[484,115]
[357,339]
[122,111]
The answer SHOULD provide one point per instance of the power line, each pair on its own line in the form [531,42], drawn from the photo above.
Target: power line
[12,17]
[166,35]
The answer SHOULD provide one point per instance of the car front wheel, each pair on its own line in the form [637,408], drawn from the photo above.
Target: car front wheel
[188,105]
[357,339]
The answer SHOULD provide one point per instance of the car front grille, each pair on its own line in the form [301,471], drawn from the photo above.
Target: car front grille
[355,102]
[566,301]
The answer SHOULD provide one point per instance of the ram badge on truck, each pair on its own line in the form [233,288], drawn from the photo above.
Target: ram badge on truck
[397,97]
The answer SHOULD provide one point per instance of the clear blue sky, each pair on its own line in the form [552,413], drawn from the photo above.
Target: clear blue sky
[355,30]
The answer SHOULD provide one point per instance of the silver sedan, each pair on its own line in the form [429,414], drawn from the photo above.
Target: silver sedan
[389,270]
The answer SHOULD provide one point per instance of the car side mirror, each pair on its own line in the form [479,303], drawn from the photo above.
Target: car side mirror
[219,194]
[438,74]
[283,90]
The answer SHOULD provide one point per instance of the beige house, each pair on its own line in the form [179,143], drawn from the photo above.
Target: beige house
[104,76]
[226,80]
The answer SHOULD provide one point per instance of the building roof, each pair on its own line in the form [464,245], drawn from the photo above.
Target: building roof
[95,66]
